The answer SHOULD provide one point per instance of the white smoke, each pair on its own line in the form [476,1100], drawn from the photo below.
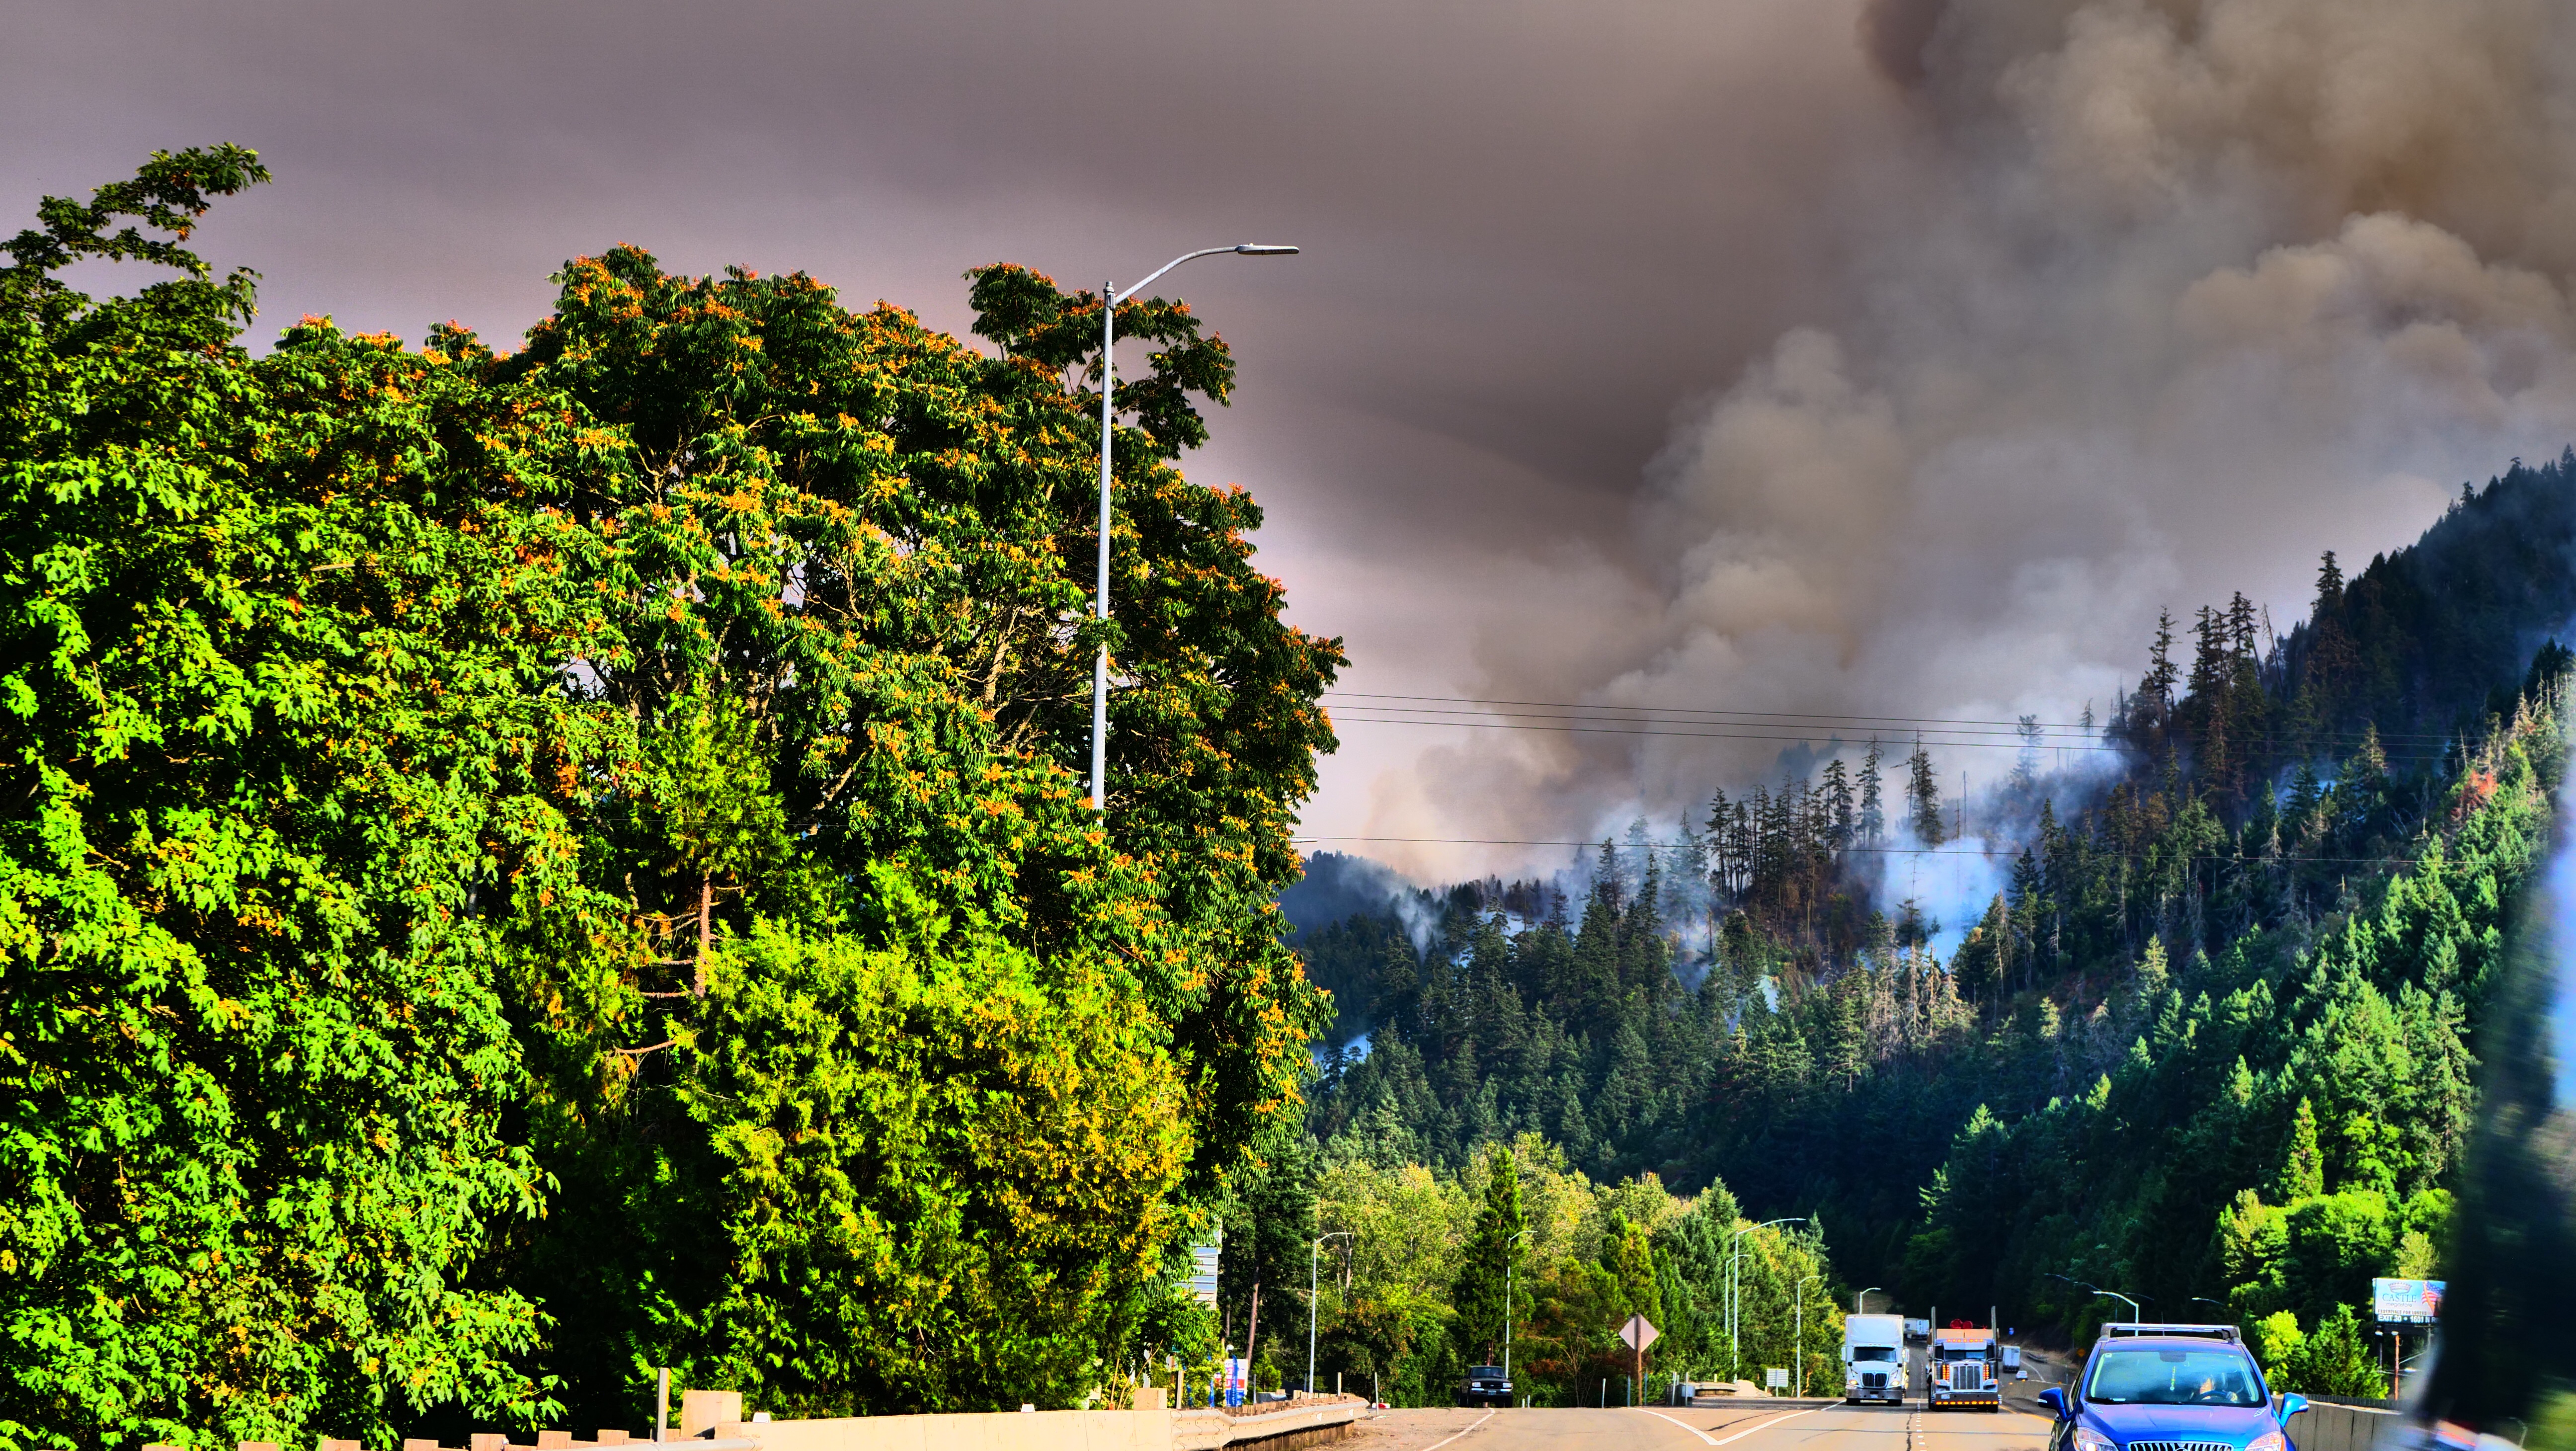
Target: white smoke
[1948,887]
[2164,299]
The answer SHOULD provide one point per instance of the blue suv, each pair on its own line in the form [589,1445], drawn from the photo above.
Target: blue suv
[2169,1388]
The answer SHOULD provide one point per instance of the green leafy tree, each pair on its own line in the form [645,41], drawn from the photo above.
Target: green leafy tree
[927,1159]
[846,560]
[283,742]
[458,795]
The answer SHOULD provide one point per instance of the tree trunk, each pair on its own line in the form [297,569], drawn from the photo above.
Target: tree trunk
[706,926]
[1251,1329]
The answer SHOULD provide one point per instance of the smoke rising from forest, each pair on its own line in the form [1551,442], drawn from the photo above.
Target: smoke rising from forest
[2154,301]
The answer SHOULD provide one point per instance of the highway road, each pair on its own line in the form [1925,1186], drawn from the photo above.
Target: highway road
[1755,1427]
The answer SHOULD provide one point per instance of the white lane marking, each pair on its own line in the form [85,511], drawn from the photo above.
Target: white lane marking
[1694,1430]
[1767,1425]
[1489,1415]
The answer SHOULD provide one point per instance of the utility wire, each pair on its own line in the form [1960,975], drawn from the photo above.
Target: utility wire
[1617,845]
[1343,717]
[1779,715]
[2048,730]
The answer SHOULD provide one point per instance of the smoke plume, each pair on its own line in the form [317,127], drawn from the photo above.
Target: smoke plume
[2151,301]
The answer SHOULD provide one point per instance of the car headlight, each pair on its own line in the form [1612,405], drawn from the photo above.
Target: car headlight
[2088,1439]
[2269,1441]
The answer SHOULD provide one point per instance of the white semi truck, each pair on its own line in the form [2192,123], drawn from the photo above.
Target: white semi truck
[1874,1358]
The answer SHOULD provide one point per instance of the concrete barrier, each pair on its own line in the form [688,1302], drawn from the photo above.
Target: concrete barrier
[2328,1426]
[1286,1427]
[985,1431]
[711,1421]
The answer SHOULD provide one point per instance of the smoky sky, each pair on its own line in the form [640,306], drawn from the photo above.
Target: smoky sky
[1775,355]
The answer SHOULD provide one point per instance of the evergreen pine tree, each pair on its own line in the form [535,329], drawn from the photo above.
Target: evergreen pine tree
[1923,796]
[1838,804]
[1873,815]
[1491,1266]
[2303,1164]
[1721,843]
[2367,771]
[2154,703]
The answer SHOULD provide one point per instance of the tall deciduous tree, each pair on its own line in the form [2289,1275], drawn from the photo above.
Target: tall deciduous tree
[282,747]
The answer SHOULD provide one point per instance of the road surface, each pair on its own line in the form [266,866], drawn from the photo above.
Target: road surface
[1757,1427]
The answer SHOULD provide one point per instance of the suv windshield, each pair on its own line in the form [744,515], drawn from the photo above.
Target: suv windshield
[1484,1372]
[1873,1352]
[2169,1377]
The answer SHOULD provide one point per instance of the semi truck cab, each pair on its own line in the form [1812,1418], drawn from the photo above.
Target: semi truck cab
[1965,1368]
[1874,1358]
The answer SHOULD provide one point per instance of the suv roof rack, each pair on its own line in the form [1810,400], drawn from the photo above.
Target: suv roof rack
[2126,1329]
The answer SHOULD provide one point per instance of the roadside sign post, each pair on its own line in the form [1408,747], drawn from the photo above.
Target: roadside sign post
[1639,1333]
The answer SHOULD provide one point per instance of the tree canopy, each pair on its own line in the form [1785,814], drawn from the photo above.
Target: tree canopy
[526,867]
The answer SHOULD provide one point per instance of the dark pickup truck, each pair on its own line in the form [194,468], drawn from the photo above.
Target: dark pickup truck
[1485,1385]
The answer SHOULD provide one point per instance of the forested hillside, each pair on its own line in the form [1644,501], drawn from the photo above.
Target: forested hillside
[2213,1043]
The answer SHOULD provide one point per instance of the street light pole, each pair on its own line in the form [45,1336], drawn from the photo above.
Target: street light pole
[1857,1299]
[1508,1262]
[2135,1315]
[1110,297]
[1798,1342]
[1311,1251]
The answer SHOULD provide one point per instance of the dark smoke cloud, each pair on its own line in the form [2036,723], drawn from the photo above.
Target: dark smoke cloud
[1897,32]
[2157,300]
[1787,354]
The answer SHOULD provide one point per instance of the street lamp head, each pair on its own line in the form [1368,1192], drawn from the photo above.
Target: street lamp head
[1265,249]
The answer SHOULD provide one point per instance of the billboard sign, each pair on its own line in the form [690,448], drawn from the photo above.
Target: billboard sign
[2416,1301]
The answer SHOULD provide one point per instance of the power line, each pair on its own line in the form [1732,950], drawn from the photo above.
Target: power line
[1340,718]
[2049,732]
[1617,845]
[2073,741]
[1779,715]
